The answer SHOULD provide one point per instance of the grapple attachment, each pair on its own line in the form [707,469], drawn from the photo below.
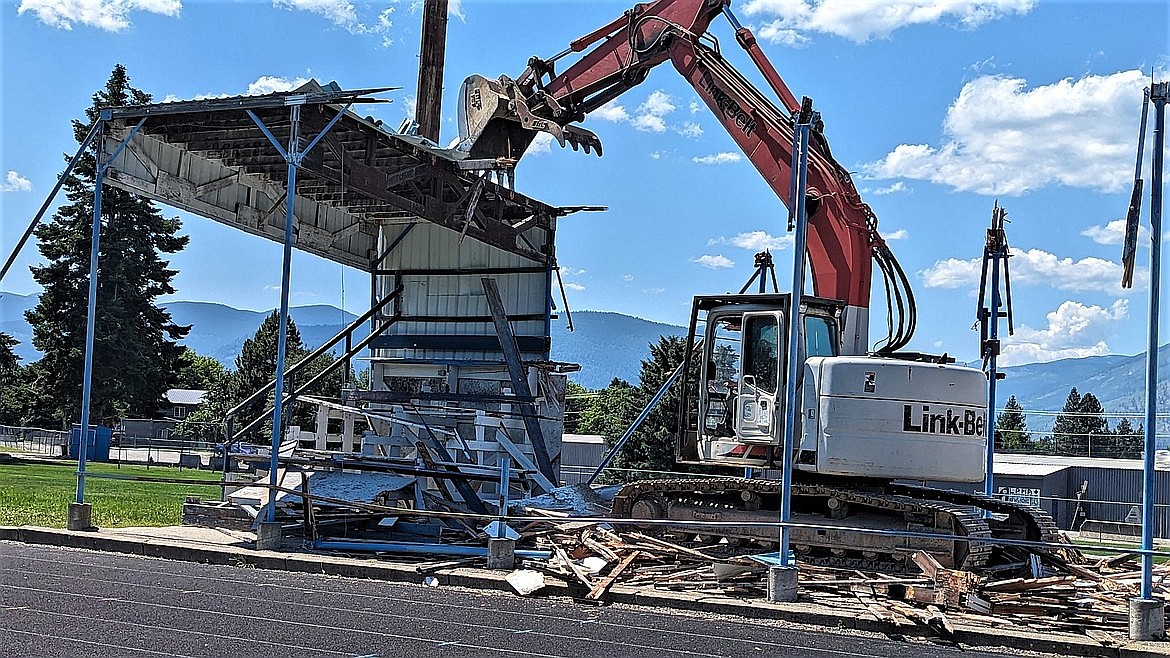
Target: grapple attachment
[495,121]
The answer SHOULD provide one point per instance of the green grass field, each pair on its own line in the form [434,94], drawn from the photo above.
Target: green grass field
[39,494]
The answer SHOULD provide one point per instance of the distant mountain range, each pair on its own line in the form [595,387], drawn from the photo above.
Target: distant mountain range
[609,345]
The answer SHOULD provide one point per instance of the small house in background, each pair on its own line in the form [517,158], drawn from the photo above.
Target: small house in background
[178,402]
[175,405]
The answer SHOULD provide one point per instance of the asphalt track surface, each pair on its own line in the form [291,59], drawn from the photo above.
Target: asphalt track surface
[74,603]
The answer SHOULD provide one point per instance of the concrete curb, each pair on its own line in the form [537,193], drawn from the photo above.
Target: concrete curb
[803,613]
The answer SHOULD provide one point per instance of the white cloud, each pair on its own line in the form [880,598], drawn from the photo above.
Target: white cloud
[1001,138]
[14,182]
[714,262]
[627,277]
[900,234]
[649,116]
[571,286]
[654,291]
[899,186]
[542,143]
[271,84]
[344,14]
[611,111]
[655,155]
[1114,233]
[1074,330]
[340,12]
[695,107]
[754,241]
[1037,267]
[109,15]
[862,20]
[410,105]
[658,104]
[726,157]
[650,123]
[265,84]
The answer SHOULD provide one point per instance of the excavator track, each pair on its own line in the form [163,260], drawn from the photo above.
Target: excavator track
[891,507]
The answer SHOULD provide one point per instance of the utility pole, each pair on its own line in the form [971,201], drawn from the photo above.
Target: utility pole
[432,54]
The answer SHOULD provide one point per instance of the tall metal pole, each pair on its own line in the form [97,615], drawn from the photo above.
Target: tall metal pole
[1158,95]
[91,310]
[282,336]
[797,217]
[90,322]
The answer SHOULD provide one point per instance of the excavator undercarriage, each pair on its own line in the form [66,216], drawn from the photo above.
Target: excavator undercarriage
[832,521]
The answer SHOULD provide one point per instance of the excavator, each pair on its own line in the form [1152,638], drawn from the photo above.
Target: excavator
[873,425]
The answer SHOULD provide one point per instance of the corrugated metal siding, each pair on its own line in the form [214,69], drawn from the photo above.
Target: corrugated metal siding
[432,247]
[1121,490]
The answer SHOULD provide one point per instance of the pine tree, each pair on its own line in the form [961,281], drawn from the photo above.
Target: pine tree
[135,345]
[1066,426]
[1092,427]
[1011,429]
[256,363]
[12,395]
[1129,443]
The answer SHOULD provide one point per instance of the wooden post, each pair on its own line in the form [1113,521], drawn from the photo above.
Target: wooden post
[432,51]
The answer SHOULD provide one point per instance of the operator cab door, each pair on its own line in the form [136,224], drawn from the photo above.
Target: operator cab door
[761,377]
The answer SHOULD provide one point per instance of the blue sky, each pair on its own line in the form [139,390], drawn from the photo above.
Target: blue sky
[940,107]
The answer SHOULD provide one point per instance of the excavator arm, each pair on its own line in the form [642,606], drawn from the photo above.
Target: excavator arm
[499,118]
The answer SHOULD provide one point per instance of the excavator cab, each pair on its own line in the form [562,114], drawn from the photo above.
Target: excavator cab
[732,406]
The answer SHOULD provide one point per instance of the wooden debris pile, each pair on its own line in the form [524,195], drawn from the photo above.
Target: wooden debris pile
[598,557]
[1090,600]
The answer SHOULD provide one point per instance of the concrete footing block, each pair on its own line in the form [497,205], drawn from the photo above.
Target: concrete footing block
[501,554]
[782,586]
[1147,619]
[80,516]
[268,536]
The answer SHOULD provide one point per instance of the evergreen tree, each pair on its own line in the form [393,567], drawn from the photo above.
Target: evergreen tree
[1093,428]
[1128,442]
[255,368]
[13,393]
[256,365]
[135,345]
[1066,425]
[1011,429]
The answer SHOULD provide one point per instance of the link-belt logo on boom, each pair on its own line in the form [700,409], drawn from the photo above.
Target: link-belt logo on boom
[727,105]
[968,423]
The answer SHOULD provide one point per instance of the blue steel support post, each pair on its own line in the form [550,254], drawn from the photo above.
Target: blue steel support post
[91,311]
[293,156]
[505,481]
[1158,95]
[798,219]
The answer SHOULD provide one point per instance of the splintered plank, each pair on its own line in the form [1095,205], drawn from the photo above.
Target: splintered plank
[604,584]
[1027,584]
